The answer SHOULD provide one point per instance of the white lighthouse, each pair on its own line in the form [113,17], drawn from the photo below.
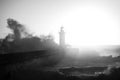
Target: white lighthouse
[62,37]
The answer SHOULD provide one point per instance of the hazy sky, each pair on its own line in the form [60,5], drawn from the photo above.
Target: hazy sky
[47,16]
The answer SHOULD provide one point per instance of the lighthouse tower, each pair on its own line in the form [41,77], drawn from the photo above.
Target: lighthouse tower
[62,37]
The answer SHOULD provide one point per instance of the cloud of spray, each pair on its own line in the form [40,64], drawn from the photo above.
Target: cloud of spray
[24,41]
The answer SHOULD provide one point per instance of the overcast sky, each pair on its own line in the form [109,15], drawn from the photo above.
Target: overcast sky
[47,16]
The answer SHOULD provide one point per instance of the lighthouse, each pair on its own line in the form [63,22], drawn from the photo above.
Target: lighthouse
[62,37]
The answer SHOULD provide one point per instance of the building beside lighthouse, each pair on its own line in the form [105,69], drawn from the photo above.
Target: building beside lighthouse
[62,37]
